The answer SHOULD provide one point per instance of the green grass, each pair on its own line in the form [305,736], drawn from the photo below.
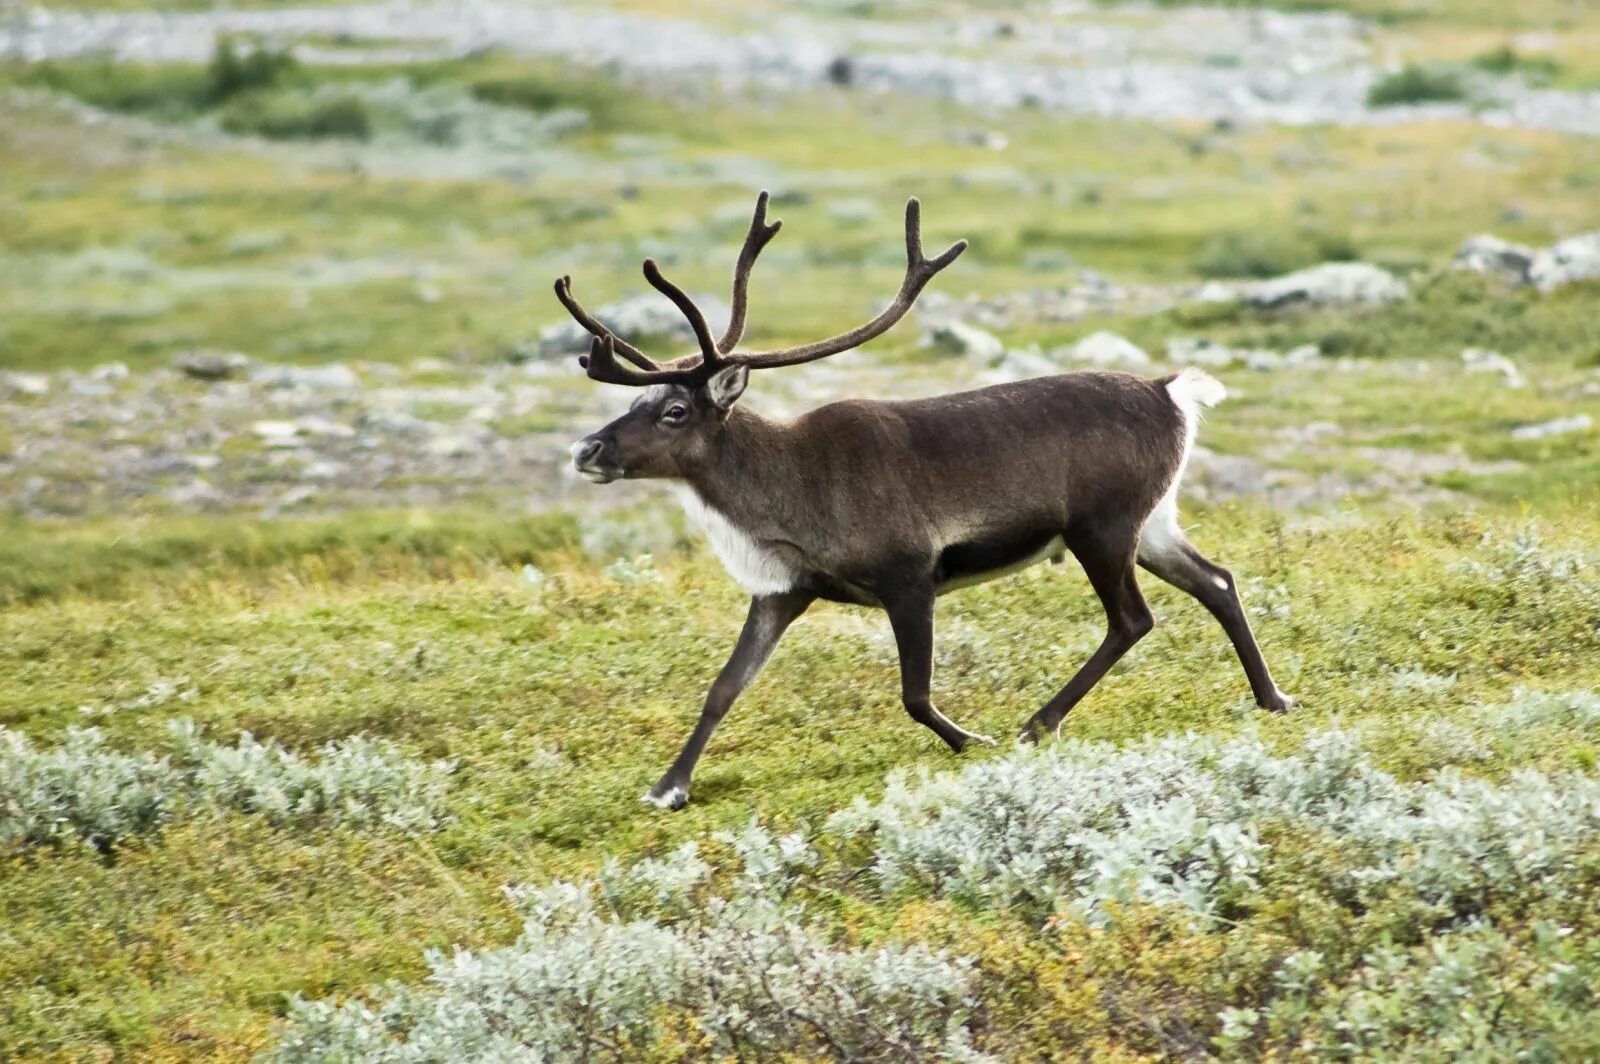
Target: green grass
[187,943]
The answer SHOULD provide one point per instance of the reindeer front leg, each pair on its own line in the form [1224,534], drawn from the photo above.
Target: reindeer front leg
[769,617]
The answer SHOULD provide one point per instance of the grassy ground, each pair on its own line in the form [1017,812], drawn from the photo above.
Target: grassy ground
[184,945]
[562,698]
[127,243]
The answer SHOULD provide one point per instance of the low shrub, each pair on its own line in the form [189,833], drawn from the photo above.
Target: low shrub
[1271,254]
[294,116]
[1413,84]
[232,73]
[83,789]
[355,780]
[162,92]
[80,789]
[658,961]
[169,92]
[1504,60]
[1181,897]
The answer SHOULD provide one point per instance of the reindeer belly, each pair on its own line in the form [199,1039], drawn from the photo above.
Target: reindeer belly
[964,564]
[759,569]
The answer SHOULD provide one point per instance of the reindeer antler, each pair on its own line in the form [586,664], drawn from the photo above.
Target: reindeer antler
[599,331]
[602,364]
[755,240]
[919,271]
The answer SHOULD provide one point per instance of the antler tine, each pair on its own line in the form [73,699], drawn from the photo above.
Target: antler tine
[924,268]
[599,331]
[709,355]
[919,271]
[755,240]
[602,365]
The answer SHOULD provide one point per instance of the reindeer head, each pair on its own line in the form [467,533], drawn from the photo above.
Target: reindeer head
[687,401]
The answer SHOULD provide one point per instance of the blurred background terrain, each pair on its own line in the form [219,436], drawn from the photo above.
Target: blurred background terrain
[285,399]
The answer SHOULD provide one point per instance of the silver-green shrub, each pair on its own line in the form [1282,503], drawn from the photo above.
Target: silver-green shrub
[355,780]
[601,967]
[81,789]
[1195,821]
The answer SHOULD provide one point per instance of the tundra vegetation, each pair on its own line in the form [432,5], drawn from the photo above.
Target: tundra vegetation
[339,759]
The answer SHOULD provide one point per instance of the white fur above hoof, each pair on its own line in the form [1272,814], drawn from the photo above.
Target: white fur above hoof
[673,798]
[974,737]
[1281,704]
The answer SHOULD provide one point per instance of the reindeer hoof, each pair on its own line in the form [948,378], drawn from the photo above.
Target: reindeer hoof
[671,798]
[1278,702]
[1031,734]
[974,737]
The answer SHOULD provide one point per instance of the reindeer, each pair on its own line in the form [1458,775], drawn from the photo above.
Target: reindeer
[891,504]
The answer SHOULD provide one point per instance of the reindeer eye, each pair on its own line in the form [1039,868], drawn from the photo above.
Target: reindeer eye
[675,412]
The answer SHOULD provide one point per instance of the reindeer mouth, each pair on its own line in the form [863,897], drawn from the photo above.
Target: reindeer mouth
[598,475]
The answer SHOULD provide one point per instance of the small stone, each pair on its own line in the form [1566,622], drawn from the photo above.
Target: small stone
[1201,352]
[321,426]
[453,446]
[1331,283]
[1493,257]
[212,365]
[1559,427]
[1574,259]
[322,469]
[1106,349]
[1478,360]
[1022,364]
[335,376]
[196,493]
[278,433]
[959,338]
[34,384]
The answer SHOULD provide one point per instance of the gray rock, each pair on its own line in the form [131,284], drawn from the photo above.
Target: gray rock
[212,365]
[959,338]
[1493,257]
[1559,427]
[278,434]
[1574,259]
[321,426]
[335,376]
[1200,352]
[197,494]
[110,372]
[322,469]
[1330,284]
[1105,349]
[1478,360]
[34,384]
[637,318]
[1018,364]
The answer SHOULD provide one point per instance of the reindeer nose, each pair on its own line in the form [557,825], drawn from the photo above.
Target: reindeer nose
[585,451]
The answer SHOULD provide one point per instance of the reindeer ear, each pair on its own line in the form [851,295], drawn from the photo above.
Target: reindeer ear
[726,385]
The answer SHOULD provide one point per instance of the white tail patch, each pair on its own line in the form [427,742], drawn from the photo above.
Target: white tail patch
[1192,390]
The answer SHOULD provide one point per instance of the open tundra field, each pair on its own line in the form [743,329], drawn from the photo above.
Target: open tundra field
[328,692]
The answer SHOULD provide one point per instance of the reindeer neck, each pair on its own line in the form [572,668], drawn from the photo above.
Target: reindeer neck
[746,470]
